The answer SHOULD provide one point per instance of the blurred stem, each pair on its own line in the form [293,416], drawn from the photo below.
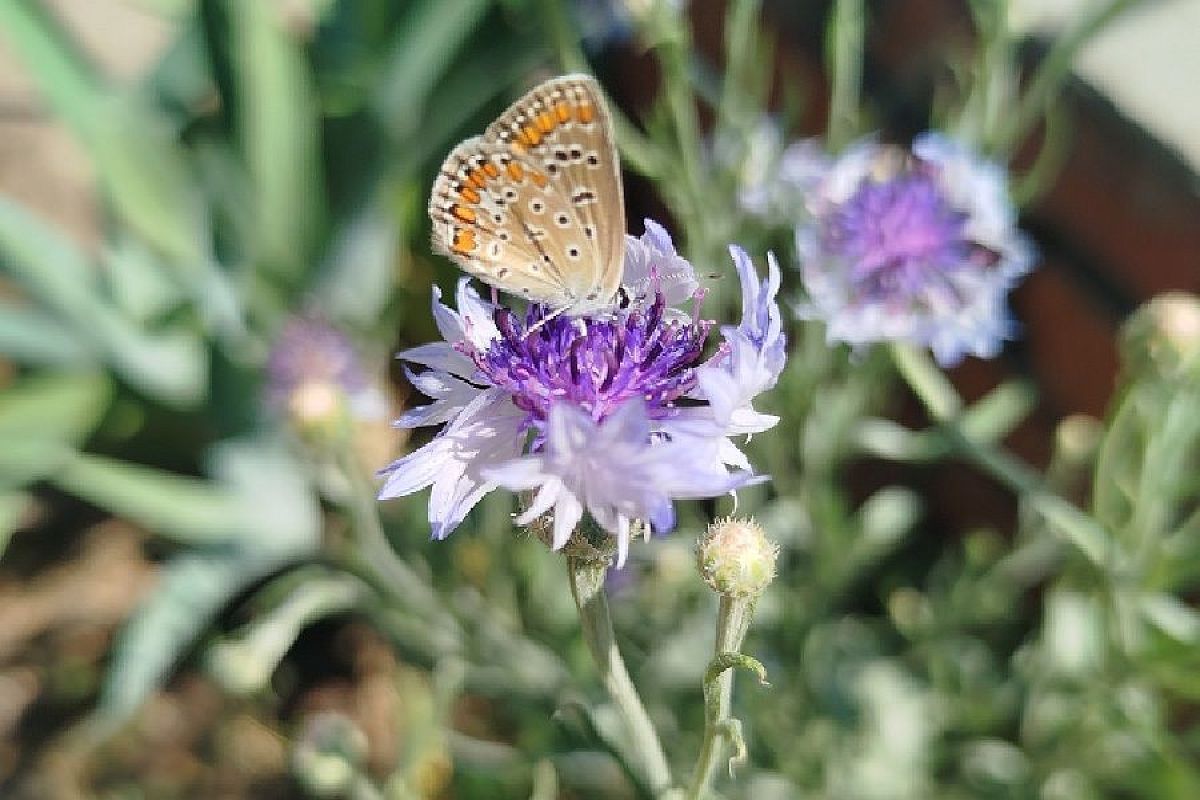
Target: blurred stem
[587,589]
[941,400]
[674,52]
[742,45]
[376,555]
[1053,71]
[929,383]
[844,56]
[733,620]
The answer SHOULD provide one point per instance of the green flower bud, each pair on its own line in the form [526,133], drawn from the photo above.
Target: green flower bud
[736,558]
[1163,336]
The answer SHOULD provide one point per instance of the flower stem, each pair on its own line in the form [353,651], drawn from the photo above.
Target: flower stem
[587,588]
[941,400]
[733,619]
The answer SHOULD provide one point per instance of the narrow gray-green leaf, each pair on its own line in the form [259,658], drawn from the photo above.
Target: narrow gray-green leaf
[139,167]
[279,133]
[29,336]
[193,590]
[189,509]
[359,273]
[430,38]
[1000,411]
[245,662]
[61,407]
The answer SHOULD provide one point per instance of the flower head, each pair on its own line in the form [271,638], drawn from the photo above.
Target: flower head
[918,246]
[315,376]
[606,414]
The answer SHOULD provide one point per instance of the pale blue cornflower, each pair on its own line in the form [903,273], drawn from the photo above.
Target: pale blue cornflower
[916,246]
[615,414]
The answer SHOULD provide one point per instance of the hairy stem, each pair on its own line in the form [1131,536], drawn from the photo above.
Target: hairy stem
[587,588]
[733,619]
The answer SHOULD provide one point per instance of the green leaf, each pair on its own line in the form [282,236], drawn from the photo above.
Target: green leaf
[190,510]
[1171,616]
[431,36]
[279,122]
[263,501]
[61,407]
[140,169]
[32,337]
[170,365]
[844,60]
[191,592]
[359,272]
[245,663]
[138,282]
[1000,411]
[259,497]
[884,520]
[46,264]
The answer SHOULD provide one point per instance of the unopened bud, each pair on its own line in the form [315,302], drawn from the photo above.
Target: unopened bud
[736,558]
[1164,334]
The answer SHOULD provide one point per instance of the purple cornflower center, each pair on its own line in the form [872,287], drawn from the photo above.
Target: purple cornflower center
[596,363]
[898,234]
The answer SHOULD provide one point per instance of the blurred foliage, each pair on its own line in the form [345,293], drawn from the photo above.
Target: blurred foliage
[274,161]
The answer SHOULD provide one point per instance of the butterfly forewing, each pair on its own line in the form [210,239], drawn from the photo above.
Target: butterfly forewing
[535,207]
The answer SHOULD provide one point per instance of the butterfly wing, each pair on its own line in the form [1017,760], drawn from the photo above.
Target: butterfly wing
[535,207]
[482,222]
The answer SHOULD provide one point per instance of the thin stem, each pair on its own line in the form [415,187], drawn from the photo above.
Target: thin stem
[941,400]
[587,588]
[376,555]
[733,620]
[929,383]
[1054,69]
[844,56]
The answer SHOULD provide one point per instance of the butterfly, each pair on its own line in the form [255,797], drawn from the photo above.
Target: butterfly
[534,206]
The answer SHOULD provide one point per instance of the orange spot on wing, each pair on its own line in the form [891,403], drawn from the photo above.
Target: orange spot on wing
[463,213]
[539,179]
[563,112]
[463,242]
[532,135]
[516,171]
[585,113]
[476,178]
[545,122]
[491,169]
[468,194]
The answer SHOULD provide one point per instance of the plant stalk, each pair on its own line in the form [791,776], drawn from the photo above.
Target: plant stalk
[587,588]
[733,620]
